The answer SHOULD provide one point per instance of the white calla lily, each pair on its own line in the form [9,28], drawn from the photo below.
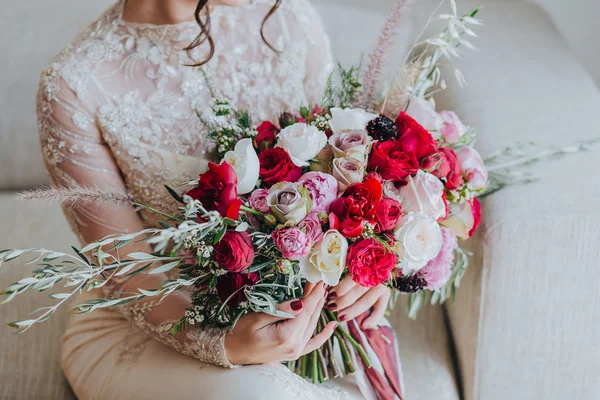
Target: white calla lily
[244,161]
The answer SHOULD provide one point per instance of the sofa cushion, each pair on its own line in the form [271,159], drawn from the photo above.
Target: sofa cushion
[30,362]
[528,304]
[43,29]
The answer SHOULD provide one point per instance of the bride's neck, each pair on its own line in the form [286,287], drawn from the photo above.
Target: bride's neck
[159,12]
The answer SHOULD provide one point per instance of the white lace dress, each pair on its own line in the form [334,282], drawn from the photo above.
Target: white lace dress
[118,107]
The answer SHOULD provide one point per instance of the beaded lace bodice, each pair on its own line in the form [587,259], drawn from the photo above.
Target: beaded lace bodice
[118,107]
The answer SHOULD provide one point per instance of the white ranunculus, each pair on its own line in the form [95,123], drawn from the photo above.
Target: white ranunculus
[289,202]
[424,194]
[245,162]
[461,220]
[348,119]
[424,113]
[327,260]
[419,241]
[302,142]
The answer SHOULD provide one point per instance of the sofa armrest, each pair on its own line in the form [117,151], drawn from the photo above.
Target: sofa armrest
[524,321]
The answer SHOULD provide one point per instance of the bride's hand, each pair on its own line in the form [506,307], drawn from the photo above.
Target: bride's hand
[350,300]
[260,338]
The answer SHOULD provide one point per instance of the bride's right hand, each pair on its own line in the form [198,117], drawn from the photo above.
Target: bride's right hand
[260,338]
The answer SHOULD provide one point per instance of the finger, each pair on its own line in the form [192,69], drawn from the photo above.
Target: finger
[313,321]
[308,287]
[378,312]
[310,302]
[363,304]
[342,302]
[293,307]
[319,339]
[343,287]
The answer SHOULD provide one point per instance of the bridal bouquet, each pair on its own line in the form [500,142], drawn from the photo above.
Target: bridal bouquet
[380,188]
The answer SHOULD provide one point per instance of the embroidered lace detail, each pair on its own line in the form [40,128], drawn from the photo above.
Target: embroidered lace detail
[118,107]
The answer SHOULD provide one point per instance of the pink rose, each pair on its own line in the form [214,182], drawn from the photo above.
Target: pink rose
[311,225]
[452,128]
[258,201]
[473,168]
[437,271]
[322,188]
[292,242]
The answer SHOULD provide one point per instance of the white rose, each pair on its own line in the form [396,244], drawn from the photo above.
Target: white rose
[289,203]
[348,119]
[424,113]
[245,162]
[302,142]
[327,260]
[419,241]
[424,194]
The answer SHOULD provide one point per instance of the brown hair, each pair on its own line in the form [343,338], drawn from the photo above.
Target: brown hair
[204,36]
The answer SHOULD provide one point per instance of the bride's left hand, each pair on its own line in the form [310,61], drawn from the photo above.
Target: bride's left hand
[350,300]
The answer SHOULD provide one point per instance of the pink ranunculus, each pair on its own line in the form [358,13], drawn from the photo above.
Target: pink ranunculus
[452,128]
[323,189]
[311,225]
[258,201]
[292,242]
[437,271]
[473,167]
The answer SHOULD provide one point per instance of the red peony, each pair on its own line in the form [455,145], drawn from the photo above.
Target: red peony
[370,263]
[235,251]
[476,210]
[276,166]
[357,204]
[454,178]
[217,190]
[265,137]
[388,214]
[414,137]
[392,161]
[232,284]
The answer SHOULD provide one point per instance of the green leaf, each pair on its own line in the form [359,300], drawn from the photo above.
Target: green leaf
[174,194]
[81,255]
[165,268]
[220,235]
[140,256]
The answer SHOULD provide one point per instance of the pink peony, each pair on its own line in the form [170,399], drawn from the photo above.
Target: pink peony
[292,242]
[258,201]
[311,225]
[452,127]
[322,188]
[437,271]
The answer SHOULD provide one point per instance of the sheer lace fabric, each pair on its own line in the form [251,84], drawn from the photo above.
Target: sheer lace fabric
[117,108]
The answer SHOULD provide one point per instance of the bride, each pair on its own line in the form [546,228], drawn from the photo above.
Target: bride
[118,107]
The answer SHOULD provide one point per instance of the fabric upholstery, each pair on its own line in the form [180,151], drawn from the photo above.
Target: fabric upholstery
[42,30]
[524,319]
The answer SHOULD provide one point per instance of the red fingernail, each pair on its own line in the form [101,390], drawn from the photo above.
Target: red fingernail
[342,317]
[332,306]
[296,305]
[324,285]
[335,326]
[332,295]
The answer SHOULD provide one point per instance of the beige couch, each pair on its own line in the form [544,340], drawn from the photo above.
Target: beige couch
[525,321]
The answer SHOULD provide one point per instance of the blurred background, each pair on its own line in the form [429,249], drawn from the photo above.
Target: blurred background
[526,320]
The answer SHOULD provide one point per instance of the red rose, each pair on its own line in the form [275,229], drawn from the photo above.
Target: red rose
[235,251]
[369,262]
[266,136]
[476,210]
[387,214]
[277,166]
[454,177]
[357,204]
[229,284]
[414,137]
[217,190]
[392,161]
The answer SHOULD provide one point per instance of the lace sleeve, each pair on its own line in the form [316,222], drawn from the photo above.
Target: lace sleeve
[75,154]
[319,58]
